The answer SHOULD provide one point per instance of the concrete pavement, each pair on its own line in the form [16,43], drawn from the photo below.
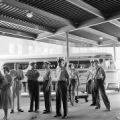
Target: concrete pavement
[81,111]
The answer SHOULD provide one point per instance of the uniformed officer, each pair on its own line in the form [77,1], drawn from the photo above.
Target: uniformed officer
[17,76]
[61,93]
[33,87]
[99,82]
[47,87]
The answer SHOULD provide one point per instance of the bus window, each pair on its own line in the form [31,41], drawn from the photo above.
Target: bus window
[9,65]
[75,63]
[24,65]
[39,65]
[53,64]
[84,64]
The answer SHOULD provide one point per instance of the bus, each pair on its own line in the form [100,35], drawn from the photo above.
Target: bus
[81,61]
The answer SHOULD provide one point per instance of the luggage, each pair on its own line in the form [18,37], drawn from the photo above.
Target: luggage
[81,93]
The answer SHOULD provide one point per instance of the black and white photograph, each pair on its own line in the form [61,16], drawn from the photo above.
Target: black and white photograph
[59,59]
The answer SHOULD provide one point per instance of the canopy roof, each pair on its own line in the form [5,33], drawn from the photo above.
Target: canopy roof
[88,22]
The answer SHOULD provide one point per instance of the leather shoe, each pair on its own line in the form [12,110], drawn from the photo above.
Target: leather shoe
[64,117]
[30,110]
[45,112]
[97,107]
[12,111]
[93,104]
[58,115]
[20,110]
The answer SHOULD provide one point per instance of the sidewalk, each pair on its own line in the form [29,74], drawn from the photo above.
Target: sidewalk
[81,111]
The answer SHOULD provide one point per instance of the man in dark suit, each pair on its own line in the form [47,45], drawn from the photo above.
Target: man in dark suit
[33,86]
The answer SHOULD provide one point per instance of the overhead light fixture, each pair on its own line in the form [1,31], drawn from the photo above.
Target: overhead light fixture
[29,14]
[101,38]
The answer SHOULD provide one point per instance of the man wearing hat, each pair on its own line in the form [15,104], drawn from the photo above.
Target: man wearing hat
[33,87]
[17,75]
[99,82]
[62,85]
[47,87]
[90,83]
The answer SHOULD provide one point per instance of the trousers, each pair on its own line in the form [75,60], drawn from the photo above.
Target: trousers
[47,95]
[33,87]
[100,87]
[61,94]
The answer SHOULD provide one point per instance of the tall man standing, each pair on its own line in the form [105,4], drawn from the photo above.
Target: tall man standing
[99,81]
[91,85]
[33,87]
[61,93]
[17,75]
[47,87]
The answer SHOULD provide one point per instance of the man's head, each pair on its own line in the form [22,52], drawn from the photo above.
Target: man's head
[17,65]
[96,63]
[61,62]
[46,64]
[71,66]
[92,62]
[33,65]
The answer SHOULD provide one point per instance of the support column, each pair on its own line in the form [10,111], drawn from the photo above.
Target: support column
[114,50]
[67,47]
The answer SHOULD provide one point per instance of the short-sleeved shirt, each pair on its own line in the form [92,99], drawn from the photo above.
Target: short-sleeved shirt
[32,74]
[100,73]
[73,74]
[47,74]
[62,74]
[91,73]
[18,74]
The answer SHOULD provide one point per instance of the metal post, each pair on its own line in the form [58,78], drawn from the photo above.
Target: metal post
[67,47]
[114,49]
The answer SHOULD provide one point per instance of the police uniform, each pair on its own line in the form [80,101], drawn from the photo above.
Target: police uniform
[61,93]
[47,90]
[33,87]
[99,82]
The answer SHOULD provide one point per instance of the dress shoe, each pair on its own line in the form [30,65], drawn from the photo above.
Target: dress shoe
[97,107]
[46,112]
[59,115]
[93,104]
[109,109]
[64,117]
[12,111]
[20,110]
[30,110]
[37,110]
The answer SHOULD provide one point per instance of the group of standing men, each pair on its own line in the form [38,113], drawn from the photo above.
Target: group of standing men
[96,84]
[67,80]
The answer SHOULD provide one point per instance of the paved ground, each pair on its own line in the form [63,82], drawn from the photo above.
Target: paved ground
[81,111]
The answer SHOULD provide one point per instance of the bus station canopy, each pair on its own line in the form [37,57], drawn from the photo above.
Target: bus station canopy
[88,23]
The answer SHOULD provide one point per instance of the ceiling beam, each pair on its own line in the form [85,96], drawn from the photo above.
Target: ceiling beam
[61,42]
[80,39]
[17,33]
[23,25]
[86,7]
[35,10]
[101,34]
[96,21]
[115,22]
[59,31]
